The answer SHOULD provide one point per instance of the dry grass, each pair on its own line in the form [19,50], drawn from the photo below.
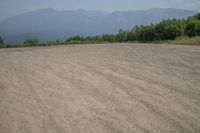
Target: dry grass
[186,40]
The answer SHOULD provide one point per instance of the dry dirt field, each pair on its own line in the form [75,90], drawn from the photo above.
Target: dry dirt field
[113,88]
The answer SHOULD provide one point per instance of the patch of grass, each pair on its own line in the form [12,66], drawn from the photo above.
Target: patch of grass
[186,40]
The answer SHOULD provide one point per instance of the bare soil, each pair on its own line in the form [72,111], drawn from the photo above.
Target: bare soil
[112,88]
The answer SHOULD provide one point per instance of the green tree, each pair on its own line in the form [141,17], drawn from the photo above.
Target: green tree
[145,33]
[131,35]
[121,36]
[149,33]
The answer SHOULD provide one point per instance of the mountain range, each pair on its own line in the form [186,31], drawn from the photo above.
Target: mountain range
[50,24]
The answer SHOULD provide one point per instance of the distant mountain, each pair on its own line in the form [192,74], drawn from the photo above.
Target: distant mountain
[50,24]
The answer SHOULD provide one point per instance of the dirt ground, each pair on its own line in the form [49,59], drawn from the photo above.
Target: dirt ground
[113,88]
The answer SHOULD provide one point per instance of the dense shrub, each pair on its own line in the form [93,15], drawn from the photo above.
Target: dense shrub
[193,28]
[197,16]
[169,29]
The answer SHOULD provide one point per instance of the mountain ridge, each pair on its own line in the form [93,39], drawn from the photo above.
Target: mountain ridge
[50,24]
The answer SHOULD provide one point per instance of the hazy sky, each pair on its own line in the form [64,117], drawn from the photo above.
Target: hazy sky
[10,8]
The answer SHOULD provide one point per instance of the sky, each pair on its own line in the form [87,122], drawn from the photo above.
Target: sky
[9,8]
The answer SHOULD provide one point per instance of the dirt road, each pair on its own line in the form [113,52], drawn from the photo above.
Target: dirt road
[100,89]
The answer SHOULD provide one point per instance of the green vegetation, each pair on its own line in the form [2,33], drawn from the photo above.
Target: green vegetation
[31,42]
[182,31]
[193,27]
[1,40]
[169,29]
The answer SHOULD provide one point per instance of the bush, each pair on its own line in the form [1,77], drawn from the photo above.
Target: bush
[193,28]
[197,16]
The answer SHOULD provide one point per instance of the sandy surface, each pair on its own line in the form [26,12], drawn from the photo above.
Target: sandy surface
[100,89]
